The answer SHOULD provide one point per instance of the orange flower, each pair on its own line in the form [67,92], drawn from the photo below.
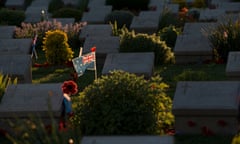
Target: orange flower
[184,9]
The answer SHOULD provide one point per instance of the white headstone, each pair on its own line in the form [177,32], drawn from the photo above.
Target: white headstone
[233,66]
[15,46]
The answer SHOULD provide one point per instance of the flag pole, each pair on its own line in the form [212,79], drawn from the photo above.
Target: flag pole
[95,66]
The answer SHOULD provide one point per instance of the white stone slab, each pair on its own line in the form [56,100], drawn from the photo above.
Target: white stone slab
[229,6]
[198,28]
[96,3]
[192,49]
[15,4]
[211,14]
[6,32]
[17,66]
[95,30]
[233,66]
[40,3]
[23,99]
[174,8]
[146,22]
[127,140]
[15,46]
[207,105]
[97,15]
[137,63]
[33,14]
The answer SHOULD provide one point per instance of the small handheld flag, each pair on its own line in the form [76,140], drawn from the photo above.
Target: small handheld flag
[34,52]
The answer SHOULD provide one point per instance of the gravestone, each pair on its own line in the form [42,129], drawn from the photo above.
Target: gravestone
[104,46]
[211,14]
[192,49]
[96,3]
[146,22]
[233,66]
[24,100]
[229,7]
[34,14]
[198,28]
[15,4]
[173,8]
[95,30]
[206,107]
[19,66]
[7,32]
[137,63]
[127,140]
[15,46]
[40,3]
[96,15]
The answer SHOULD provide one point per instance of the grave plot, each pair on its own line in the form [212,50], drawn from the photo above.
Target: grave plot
[104,46]
[95,30]
[146,22]
[192,49]
[17,66]
[229,7]
[137,63]
[207,107]
[96,3]
[198,28]
[97,15]
[25,100]
[7,32]
[15,46]
[40,3]
[233,66]
[15,4]
[127,140]
[211,14]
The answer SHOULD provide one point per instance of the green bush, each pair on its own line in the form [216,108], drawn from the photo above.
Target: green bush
[11,17]
[169,35]
[5,80]
[57,50]
[225,38]
[68,13]
[55,5]
[190,75]
[131,42]
[122,17]
[124,104]
[129,4]
[168,18]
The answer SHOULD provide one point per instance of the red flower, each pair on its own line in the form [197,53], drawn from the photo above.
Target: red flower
[206,131]
[93,49]
[191,124]
[222,123]
[70,87]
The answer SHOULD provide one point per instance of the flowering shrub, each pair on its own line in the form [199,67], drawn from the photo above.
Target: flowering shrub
[224,38]
[125,104]
[28,30]
[57,50]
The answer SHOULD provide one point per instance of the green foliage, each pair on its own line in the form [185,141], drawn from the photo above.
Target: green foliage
[169,35]
[55,5]
[124,104]
[131,42]
[57,50]
[68,13]
[168,18]
[130,4]
[190,75]
[5,80]
[236,139]
[11,17]
[199,4]
[122,17]
[225,38]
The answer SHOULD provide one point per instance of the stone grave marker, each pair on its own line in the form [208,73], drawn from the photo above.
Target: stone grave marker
[192,49]
[127,140]
[233,66]
[146,22]
[137,63]
[41,3]
[104,46]
[17,66]
[34,14]
[198,28]
[97,15]
[6,32]
[15,46]
[206,107]
[211,14]
[95,30]
[229,7]
[24,100]
[15,4]
[96,3]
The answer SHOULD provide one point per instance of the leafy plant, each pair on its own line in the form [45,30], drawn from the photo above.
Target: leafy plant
[5,80]
[57,50]
[122,17]
[168,18]
[169,35]
[131,42]
[68,13]
[55,5]
[190,75]
[199,4]
[11,17]
[124,104]
[236,139]
[224,38]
